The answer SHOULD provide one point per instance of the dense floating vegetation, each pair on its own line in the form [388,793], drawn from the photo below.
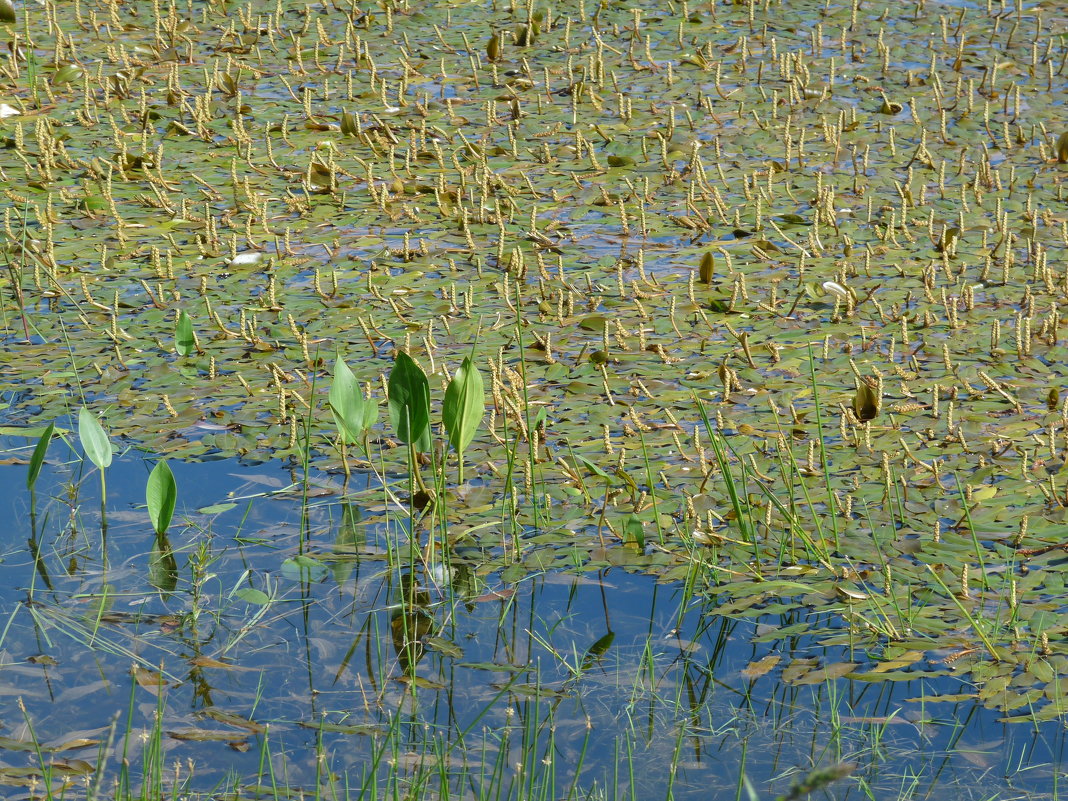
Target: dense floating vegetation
[759,297]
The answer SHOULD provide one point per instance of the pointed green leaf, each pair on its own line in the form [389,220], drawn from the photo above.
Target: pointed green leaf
[348,124]
[865,402]
[597,471]
[37,460]
[183,334]
[161,495]
[353,414]
[409,402]
[94,439]
[634,529]
[464,406]
[598,649]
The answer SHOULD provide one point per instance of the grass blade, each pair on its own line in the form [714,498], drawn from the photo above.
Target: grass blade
[37,460]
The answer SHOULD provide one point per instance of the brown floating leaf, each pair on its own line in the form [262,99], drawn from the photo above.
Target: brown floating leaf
[833,671]
[203,735]
[151,680]
[495,595]
[233,719]
[755,670]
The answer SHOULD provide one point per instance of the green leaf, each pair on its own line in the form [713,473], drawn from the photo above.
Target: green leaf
[634,529]
[464,406]
[68,73]
[253,596]
[598,649]
[597,471]
[7,11]
[161,495]
[707,269]
[865,402]
[94,439]
[409,402]
[183,334]
[353,414]
[37,460]
[348,124]
[216,508]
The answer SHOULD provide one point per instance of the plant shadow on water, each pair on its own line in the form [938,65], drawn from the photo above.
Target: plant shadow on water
[333,659]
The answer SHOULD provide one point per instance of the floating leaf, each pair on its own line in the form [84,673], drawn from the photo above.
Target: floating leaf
[754,670]
[94,439]
[216,508]
[161,495]
[409,402]
[493,47]
[445,647]
[151,680]
[253,596]
[597,471]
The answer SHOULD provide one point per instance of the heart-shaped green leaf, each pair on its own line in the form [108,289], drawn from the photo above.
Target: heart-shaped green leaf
[464,406]
[353,414]
[409,402]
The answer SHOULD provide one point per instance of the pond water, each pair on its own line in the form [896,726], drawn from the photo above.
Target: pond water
[346,673]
